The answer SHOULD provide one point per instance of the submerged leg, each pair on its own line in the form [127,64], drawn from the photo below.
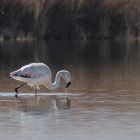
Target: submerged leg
[16,89]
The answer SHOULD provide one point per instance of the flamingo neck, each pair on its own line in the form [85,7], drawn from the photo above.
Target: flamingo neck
[56,83]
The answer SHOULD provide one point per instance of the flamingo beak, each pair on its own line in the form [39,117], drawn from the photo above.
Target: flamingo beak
[68,84]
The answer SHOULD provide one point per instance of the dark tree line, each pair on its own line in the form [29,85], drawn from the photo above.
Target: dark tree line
[83,19]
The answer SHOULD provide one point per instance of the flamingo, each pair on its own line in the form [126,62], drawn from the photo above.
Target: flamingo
[36,74]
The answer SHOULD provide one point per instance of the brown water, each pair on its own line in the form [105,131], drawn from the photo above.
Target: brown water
[105,92]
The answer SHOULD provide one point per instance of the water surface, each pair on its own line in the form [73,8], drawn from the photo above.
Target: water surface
[105,92]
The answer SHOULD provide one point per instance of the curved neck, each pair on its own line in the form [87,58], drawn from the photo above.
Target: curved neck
[55,85]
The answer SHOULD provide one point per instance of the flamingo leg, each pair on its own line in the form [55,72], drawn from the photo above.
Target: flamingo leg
[16,89]
[35,92]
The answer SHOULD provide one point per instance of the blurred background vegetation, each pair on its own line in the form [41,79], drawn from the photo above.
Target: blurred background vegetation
[69,19]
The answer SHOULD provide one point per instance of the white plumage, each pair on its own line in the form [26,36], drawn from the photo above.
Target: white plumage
[36,74]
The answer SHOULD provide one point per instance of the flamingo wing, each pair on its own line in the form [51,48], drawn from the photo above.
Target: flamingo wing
[32,70]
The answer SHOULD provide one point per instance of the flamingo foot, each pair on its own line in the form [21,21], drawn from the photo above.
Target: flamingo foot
[16,95]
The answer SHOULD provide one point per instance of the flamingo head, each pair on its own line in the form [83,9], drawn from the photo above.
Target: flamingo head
[67,77]
[68,84]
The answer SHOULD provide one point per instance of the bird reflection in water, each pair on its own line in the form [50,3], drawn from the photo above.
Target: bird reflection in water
[42,105]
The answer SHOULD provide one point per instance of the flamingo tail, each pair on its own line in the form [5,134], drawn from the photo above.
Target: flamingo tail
[15,73]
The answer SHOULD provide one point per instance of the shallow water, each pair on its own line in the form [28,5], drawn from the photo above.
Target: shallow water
[105,92]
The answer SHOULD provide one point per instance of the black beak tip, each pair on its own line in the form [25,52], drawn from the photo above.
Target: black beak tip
[68,84]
